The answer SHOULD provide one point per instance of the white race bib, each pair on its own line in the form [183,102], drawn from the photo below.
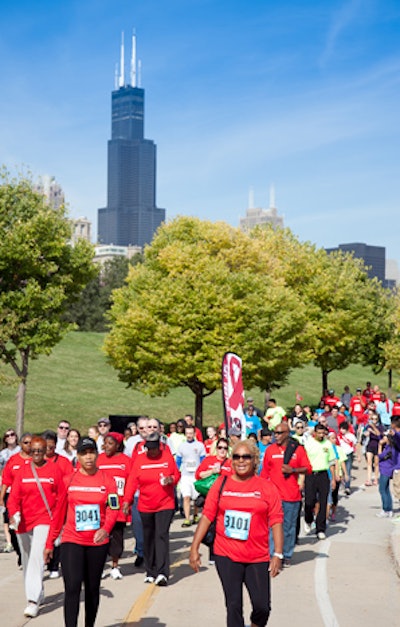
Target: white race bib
[237,524]
[87,517]
[120,483]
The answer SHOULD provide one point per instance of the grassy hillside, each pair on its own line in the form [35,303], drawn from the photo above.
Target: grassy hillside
[76,383]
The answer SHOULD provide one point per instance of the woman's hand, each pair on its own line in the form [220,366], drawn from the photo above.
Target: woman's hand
[125,508]
[100,536]
[47,555]
[195,560]
[275,566]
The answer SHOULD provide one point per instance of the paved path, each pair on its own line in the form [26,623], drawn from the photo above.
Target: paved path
[348,579]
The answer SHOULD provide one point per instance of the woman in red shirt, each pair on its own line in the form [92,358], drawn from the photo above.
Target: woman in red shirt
[35,492]
[155,473]
[86,516]
[247,507]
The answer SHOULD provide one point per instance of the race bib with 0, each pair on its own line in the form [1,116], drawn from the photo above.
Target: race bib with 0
[87,517]
[237,524]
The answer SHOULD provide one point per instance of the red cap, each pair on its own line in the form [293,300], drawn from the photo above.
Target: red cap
[118,437]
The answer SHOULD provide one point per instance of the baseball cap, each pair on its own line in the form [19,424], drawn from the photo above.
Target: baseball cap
[86,443]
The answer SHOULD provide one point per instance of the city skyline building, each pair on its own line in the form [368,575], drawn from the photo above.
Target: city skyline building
[131,216]
[374,258]
[51,190]
[257,216]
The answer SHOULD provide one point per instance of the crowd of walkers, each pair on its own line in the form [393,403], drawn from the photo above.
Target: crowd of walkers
[67,498]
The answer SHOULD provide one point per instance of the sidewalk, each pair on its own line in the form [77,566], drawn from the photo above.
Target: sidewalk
[196,599]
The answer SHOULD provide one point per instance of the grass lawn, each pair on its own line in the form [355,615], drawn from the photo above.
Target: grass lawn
[76,383]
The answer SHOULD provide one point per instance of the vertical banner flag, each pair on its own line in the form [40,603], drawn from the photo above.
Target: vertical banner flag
[233,393]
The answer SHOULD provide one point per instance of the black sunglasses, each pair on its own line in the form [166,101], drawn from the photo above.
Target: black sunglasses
[246,456]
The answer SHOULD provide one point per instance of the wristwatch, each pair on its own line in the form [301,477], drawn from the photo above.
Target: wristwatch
[280,555]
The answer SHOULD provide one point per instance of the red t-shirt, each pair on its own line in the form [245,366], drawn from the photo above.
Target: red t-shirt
[12,467]
[208,444]
[288,487]
[64,463]
[26,498]
[118,467]
[332,401]
[357,407]
[247,508]
[84,509]
[145,475]
[396,409]
[212,460]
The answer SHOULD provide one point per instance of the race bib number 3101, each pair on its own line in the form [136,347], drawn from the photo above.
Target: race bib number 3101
[237,524]
[87,517]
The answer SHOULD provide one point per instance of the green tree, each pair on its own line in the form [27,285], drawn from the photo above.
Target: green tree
[348,312]
[88,312]
[40,273]
[204,289]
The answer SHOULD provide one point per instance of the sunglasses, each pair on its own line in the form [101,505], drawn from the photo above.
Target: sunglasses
[246,457]
[279,432]
[62,427]
[37,450]
[222,448]
[299,427]
[26,442]
[9,435]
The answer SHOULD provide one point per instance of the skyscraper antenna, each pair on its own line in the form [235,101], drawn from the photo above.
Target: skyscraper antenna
[122,63]
[251,198]
[133,60]
[139,73]
[272,197]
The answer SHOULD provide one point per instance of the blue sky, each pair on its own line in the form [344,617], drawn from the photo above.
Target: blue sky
[241,93]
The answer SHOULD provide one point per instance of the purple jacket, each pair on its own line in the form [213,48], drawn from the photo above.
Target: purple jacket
[388,464]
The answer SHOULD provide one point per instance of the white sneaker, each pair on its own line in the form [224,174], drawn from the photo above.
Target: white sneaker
[307,527]
[104,574]
[54,574]
[116,573]
[161,580]
[148,579]
[383,514]
[31,610]
[321,535]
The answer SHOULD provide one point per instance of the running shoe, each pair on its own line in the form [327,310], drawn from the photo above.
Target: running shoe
[321,535]
[211,563]
[161,580]
[54,574]
[8,548]
[186,523]
[347,491]
[307,527]
[383,514]
[31,610]
[286,563]
[116,573]
[196,519]
[148,579]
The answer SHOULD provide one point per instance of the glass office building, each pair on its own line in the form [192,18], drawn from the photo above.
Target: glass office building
[131,216]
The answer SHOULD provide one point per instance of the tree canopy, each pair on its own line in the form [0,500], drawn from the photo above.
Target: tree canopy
[40,273]
[204,289]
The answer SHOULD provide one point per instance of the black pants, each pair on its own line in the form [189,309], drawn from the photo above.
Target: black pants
[316,490]
[116,546]
[156,541]
[82,564]
[255,576]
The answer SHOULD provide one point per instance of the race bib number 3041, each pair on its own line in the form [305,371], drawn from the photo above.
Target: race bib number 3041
[237,524]
[87,517]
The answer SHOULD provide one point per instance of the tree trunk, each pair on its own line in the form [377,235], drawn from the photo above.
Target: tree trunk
[198,408]
[20,407]
[23,374]
[390,382]
[324,381]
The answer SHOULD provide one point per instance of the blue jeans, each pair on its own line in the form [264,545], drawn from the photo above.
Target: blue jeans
[290,513]
[137,527]
[384,491]
[349,467]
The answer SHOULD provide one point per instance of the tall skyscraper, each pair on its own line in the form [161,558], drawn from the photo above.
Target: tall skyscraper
[131,216]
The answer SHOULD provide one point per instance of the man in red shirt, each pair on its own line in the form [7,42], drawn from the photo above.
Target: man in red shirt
[396,406]
[331,399]
[285,478]
[190,423]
